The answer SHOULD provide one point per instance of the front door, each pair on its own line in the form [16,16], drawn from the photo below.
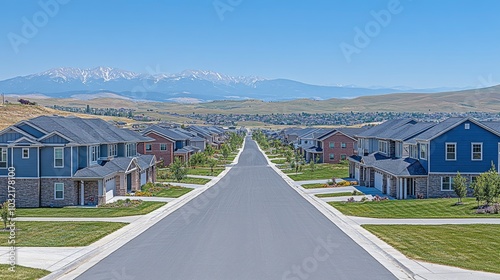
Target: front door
[129,182]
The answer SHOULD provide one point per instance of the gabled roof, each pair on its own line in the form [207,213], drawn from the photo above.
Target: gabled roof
[86,131]
[395,166]
[451,123]
[385,126]
[167,132]
[120,164]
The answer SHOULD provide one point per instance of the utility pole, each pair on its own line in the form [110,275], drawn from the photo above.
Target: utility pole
[3,99]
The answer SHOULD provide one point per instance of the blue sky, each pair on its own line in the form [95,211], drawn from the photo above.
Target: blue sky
[446,43]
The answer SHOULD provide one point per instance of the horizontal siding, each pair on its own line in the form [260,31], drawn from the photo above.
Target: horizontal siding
[464,138]
[47,163]
[26,167]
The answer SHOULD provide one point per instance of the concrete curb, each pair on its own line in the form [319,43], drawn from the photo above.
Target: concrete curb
[357,233]
[104,247]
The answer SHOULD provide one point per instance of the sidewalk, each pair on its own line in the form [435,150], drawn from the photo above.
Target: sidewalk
[144,198]
[465,221]
[392,259]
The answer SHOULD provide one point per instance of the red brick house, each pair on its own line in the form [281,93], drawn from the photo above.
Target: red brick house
[337,145]
[162,147]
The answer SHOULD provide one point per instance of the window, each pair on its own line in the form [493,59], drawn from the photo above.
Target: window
[423,151]
[331,145]
[343,157]
[382,146]
[477,151]
[149,147]
[451,151]
[94,154]
[26,153]
[58,191]
[112,150]
[413,151]
[58,157]
[473,180]
[447,183]
[130,150]
[332,156]
[343,145]
[3,157]
[467,126]
[163,147]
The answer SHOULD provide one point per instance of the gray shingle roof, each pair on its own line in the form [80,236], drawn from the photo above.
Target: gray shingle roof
[395,166]
[113,166]
[440,128]
[86,131]
[385,126]
[168,132]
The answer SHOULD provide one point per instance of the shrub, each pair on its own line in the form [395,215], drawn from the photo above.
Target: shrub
[329,182]
[145,193]
[353,183]
[489,209]
[343,184]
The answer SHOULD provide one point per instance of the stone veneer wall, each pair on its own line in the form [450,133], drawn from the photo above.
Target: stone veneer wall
[435,185]
[26,192]
[90,193]
[47,192]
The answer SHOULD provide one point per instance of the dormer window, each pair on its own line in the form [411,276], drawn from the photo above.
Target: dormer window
[383,147]
[112,150]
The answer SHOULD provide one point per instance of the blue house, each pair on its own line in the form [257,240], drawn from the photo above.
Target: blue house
[61,161]
[404,158]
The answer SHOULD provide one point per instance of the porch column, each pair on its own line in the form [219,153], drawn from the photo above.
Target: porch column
[82,193]
[405,190]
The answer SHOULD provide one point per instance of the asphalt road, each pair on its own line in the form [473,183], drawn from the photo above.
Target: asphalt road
[251,225]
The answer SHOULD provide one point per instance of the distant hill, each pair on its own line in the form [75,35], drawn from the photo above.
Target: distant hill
[190,86]
[480,100]
[13,113]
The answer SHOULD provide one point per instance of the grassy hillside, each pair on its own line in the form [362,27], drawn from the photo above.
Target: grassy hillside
[13,113]
[484,100]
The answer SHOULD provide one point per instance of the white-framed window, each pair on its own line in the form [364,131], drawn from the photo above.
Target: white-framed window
[112,150]
[3,157]
[343,145]
[58,157]
[467,126]
[58,191]
[451,151]
[149,147]
[331,145]
[447,183]
[94,154]
[413,151]
[382,147]
[332,156]
[163,147]
[26,153]
[343,157]
[477,151]
[423,151]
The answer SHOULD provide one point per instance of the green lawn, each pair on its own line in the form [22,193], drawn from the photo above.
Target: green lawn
[338,194]
[278,161]
[467,246]
[413,208]
[59,234]
[187,180]
[22,273]
[143,208]
[322,171]
[275,156]
[314,186]
[164,191]
[204,171]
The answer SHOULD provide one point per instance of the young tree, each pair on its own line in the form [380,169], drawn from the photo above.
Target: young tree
[487,186]
[212,163]
[225,150]
[197,159]
[178,169]
[460,187]
[209,150]
[5,213]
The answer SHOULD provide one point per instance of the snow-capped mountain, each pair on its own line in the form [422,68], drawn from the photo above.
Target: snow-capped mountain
[195,85]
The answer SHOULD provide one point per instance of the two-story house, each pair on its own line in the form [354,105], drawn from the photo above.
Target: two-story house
[338,144]
[405,158]
[61,161]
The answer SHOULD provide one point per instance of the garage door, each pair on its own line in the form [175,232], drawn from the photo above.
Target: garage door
[143,177]
[356,174]
[379,179]
[110,188]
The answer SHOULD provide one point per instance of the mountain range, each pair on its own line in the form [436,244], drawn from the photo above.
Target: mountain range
[189,86]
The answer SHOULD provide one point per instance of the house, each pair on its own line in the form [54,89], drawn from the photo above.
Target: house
[338,144]
[168,143]
[61,161]
[405,158]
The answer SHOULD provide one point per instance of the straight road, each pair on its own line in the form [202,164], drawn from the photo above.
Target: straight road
[250,225]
